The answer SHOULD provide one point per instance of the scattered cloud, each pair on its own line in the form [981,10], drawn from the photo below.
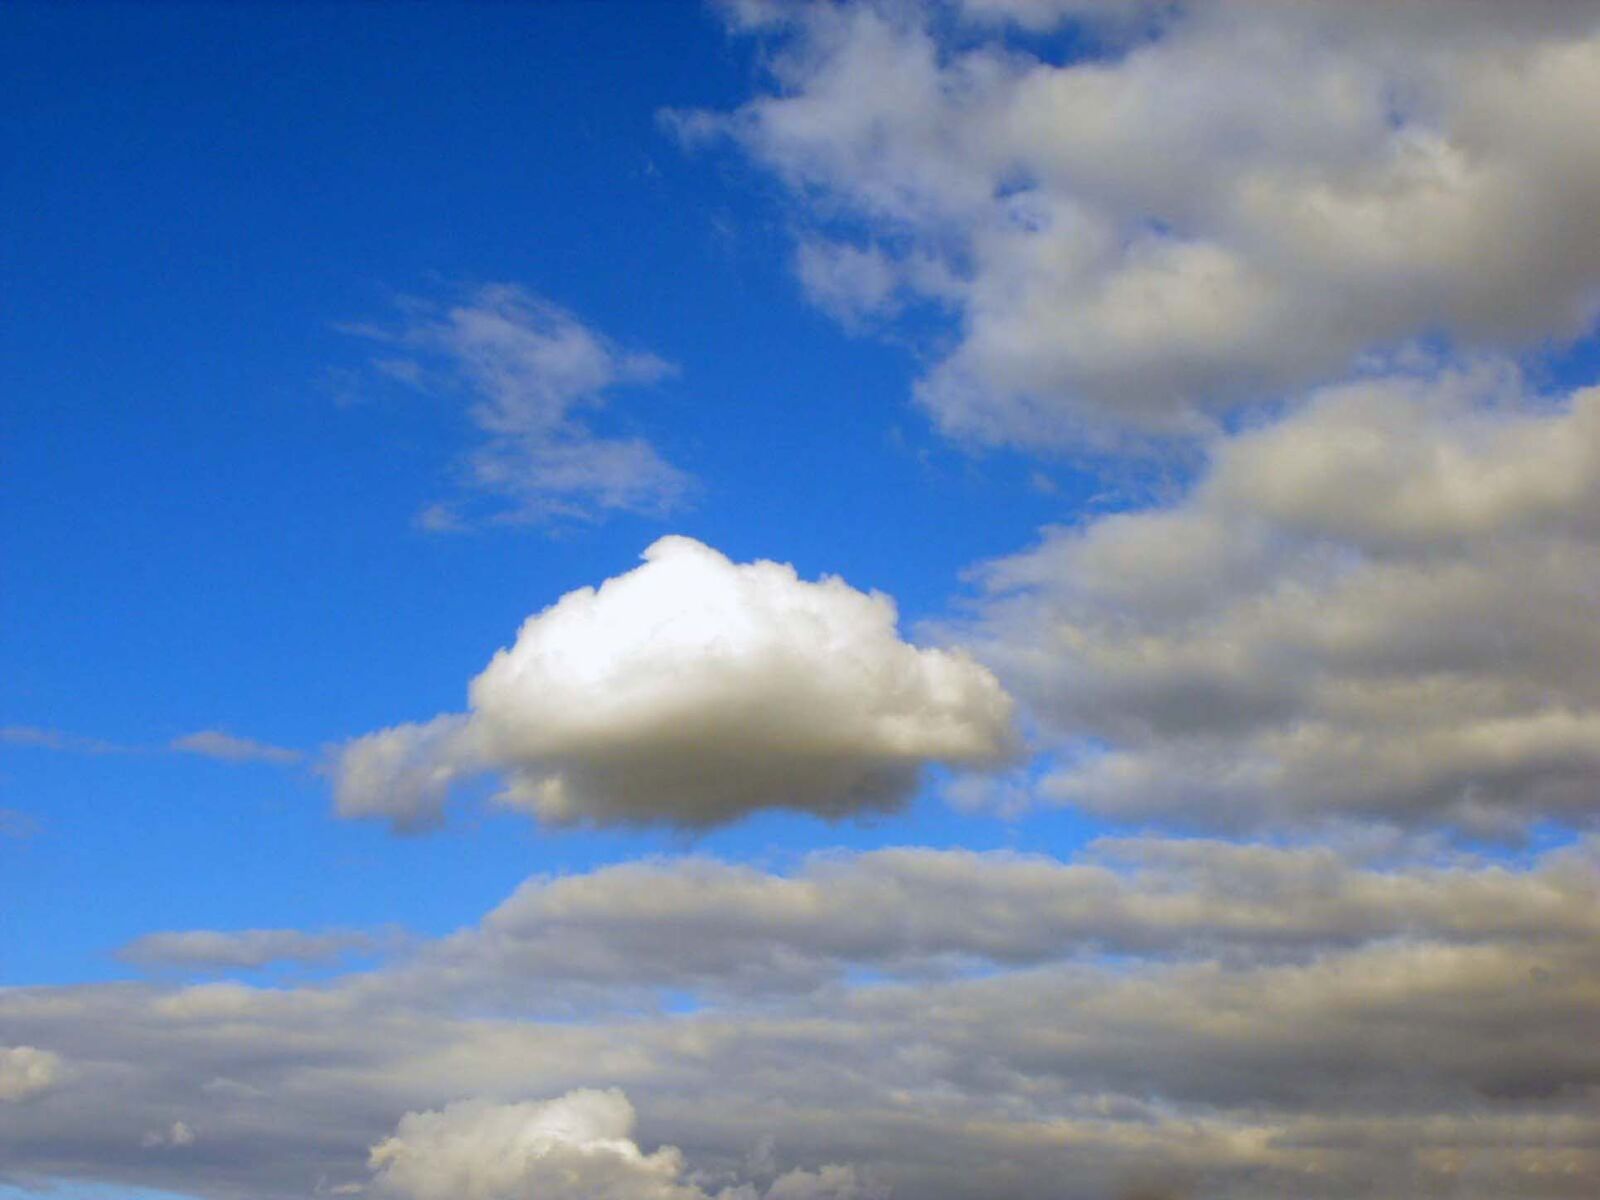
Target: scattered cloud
[533,378]
[213,743]
[692,691]
[1220,201]
[1376,607]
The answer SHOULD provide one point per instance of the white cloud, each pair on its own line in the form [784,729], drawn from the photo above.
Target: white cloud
[576,1147]
[26,1071]
[206,949]
[213,743]
[572,1148]
[691,691]
[1224,199]
[1379,606]
[533,377]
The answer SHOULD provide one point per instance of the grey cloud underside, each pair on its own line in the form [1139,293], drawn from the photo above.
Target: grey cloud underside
[1231,200]
[729,930]
[1379,607]
[1404,1029]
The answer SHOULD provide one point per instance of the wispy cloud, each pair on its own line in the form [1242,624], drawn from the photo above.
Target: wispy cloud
[206,743]
[209,949]
[40,738]
[213,743]
[532,377]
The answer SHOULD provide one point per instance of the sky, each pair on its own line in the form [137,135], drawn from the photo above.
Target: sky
[870,601]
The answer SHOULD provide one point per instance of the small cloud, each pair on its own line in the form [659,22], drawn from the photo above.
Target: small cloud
[209,949]
[213,743]
[691,691]
[27,1071]
[40,738]
[177,1135]
[533,379]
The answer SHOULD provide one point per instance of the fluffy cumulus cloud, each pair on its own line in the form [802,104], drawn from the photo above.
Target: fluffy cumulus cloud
[690,691]
[577,1147]
[573,1148]
[534,379]
[27,1071]
[1218,200]
[1379,606]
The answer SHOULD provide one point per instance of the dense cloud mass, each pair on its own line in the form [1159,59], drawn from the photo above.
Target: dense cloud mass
[691,691]
[1379,606]
[1222,200]
[533,376]
[1401,1029]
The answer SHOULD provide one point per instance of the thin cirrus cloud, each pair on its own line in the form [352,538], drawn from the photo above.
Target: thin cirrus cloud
[1224,200]
[533,379]
[1378,608]
[691,691]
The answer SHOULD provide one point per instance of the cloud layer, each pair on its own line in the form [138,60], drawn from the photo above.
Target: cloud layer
[1219,201]
[1263,1023]
[1379,606]
[691,691]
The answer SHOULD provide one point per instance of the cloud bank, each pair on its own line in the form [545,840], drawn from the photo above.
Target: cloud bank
[691,691]
[1208,204]
[1254,1022]
[1377,607]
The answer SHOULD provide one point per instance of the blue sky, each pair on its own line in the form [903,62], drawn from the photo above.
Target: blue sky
[1210,388]
[211,498]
